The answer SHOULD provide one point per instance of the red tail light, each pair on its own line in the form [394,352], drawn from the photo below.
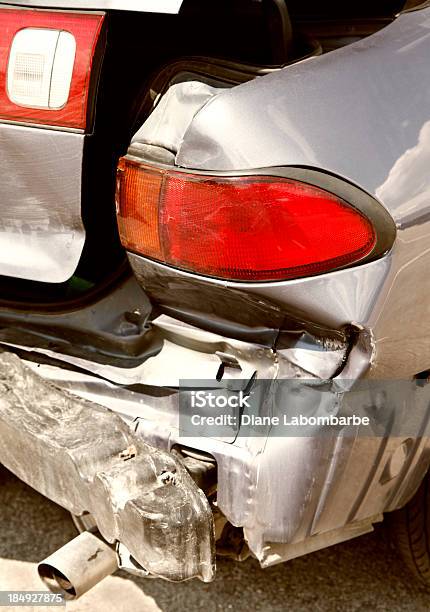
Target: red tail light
[255,228]
[32,62]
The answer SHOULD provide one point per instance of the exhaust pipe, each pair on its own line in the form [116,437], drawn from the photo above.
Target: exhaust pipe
[78,566]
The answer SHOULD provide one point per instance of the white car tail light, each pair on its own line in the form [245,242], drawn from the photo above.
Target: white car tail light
[48,61]
[40,68]
[62,70]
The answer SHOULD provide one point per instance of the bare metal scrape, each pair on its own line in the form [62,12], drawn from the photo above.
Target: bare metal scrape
[86,459]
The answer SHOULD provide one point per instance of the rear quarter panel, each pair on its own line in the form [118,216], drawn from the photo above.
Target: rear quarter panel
[363,113]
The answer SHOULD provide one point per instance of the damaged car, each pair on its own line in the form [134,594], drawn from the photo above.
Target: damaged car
[214,246]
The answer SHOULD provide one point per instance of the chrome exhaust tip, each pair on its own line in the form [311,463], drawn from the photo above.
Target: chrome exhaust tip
[78,566]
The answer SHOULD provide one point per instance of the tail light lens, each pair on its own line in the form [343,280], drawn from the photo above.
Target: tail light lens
[46,59]
[257,228]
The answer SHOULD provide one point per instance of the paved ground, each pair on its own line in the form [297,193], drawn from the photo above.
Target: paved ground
[360,575]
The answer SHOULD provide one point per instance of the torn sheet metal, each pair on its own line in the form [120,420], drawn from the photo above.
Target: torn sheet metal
[292,494]
[241,310]
[318,363]
[176,351]
[86,459]
[284,491]
[323,484]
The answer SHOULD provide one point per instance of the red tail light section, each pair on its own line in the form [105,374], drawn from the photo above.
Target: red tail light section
[257,228]
[85,28]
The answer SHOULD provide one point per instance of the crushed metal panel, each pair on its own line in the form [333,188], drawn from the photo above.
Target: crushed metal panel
[86,459]
[166,125]
[333,485]
[265,123]
[41,230]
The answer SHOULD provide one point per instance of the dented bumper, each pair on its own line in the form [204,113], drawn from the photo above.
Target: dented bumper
[86,459]
[290,494]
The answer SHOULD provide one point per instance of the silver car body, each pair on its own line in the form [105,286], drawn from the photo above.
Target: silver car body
[41,230]
[362,114]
